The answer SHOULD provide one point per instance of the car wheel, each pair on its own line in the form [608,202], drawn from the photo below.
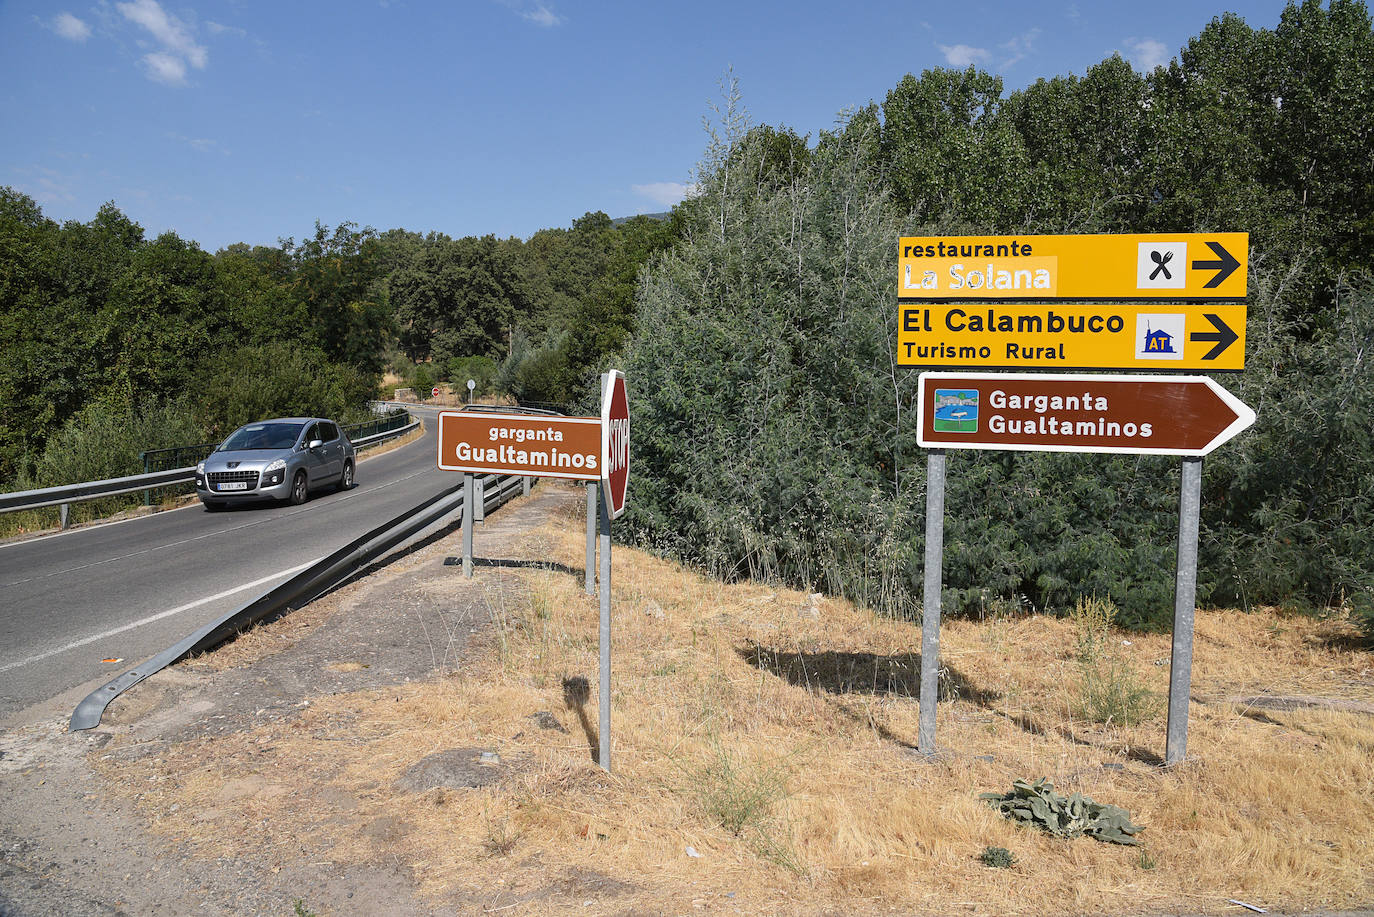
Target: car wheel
[346,479]
[300,489]
[212,506]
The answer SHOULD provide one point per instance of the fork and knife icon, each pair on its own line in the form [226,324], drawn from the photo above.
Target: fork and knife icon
[1160,262]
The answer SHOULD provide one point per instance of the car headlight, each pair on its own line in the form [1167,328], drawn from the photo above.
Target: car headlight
[278,465]
[200,468]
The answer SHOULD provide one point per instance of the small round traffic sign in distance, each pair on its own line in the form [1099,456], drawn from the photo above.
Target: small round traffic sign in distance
[615,441]
[435,393]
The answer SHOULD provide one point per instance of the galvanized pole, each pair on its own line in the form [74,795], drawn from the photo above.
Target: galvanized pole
[590,584]
[1185,598]
[604,755]
[479,503]
[468,499]
[930,611]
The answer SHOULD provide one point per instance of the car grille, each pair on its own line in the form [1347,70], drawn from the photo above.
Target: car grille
[224,477]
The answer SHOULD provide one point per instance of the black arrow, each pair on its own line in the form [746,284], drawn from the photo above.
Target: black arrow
[1224,336]
[1225,266]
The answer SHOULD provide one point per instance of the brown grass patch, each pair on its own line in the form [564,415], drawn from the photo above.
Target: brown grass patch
[778,747]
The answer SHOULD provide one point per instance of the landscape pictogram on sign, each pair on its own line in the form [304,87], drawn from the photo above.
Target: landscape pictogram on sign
[956,410]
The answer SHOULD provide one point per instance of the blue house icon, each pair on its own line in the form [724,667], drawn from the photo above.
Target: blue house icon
[1158,341]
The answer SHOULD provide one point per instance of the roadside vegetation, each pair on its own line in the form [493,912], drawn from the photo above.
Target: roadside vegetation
[775,436]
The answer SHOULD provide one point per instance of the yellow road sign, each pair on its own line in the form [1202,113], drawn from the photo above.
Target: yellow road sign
[1142,336]
[1161,266]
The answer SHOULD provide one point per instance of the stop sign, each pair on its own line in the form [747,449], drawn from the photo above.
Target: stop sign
[615,441]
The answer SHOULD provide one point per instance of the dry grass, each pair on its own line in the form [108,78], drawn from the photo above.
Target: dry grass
[778,747]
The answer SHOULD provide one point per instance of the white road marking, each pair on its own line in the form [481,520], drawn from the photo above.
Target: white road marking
[157,617]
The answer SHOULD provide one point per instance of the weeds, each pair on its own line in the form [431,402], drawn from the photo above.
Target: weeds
[997,857]
[1109,689]
[737,794]
[498,838]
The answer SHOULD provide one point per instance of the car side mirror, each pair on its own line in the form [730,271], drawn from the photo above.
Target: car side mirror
[316,443]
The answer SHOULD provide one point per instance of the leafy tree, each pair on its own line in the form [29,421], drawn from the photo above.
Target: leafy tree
[165,311]
[457,298]
[337,275]
[951,150]
[54,281]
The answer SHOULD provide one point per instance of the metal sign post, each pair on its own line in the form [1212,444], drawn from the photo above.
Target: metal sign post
[468,490]
[930,607]
[1185,595]
[590,584]
[604,691]
[615,479]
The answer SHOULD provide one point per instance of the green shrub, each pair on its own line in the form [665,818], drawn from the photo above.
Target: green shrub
[481,370]
[278,380]
[105,438]
[103,441]
[997,857]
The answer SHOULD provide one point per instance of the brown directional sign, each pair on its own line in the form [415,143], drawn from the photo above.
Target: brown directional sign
[526,444]
[1143,415]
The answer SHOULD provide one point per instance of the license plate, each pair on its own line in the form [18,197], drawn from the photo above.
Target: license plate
[233,485]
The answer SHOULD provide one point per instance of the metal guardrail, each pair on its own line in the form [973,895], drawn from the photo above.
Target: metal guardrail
[299,590]
[93,490]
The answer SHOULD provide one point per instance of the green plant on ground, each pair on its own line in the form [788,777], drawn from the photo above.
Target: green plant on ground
[1038,805]
[997,857]
[1109,689]
[738,794]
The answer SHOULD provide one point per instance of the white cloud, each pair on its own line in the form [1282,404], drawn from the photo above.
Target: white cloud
[165,68]
[962,56]
[538,12]
[219,28]
[178,46]
[69,27]
[1019,47]
[1147,53]
[543,16]
[664,193]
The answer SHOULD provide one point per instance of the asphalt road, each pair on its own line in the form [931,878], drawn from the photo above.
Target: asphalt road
[129,590]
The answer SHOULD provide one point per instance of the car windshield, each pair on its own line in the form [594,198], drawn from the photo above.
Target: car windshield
[263,436]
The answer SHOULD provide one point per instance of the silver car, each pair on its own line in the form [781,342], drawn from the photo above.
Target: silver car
[281,459]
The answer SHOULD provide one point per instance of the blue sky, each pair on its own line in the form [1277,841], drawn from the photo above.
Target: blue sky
[240,120]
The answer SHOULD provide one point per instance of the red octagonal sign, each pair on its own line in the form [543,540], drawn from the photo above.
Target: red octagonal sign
[615,441]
